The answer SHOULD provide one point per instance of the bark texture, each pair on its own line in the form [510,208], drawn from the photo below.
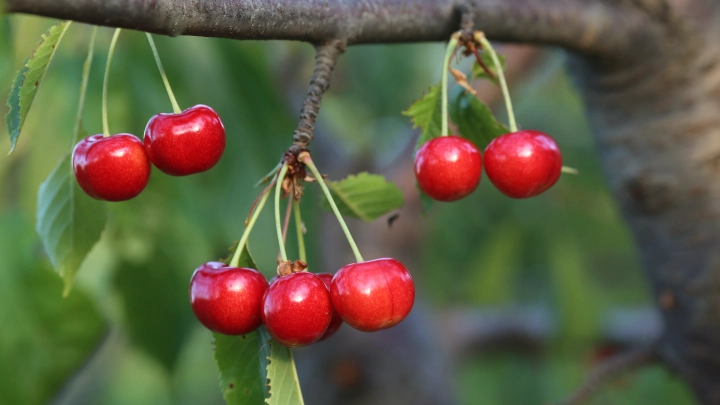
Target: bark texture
[648,70]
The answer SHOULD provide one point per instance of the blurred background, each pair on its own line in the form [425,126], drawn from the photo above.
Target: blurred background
[517,300]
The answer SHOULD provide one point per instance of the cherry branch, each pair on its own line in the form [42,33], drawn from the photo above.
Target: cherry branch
[591,26]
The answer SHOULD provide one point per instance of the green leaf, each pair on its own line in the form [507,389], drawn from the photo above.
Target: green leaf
[46,338]
[282,377]
[68,221]
[426,202]
[28,79]
[242,360]
[427,115]
[474,119]
[365,196]
[479,73]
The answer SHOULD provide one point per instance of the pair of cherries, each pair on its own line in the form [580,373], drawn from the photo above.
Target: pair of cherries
[520,164]
[302,308]
[117,168]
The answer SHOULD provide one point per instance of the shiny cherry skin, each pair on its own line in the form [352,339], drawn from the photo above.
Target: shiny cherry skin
[373,295]
[296,309]
[448,168]
[523,164]
[227,300]
[190,142]
[115,168]
[336,321]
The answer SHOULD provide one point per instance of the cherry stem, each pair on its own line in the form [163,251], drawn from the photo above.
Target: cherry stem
[246,234]
[305,158]
[286,222]
[278,188]
[111,51]
[255,203]
[569,170]
[84,85]
[176,107]
[443,82]
[503,84]
[299,230]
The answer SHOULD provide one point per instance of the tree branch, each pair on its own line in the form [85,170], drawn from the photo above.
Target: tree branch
[597,26]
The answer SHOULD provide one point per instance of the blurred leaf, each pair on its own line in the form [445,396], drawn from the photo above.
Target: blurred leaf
[68,221]
[242,360]
[426,113]
[46,338]
[496,265]
[474,119]
[155,303]
[282,377]
[365,196]
[29,78]
[426,201]
[479,73]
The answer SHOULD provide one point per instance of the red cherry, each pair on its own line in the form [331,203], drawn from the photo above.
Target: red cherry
[523,164]
[448,168]
[373,295]
[297,309]
[115,168]
[227,300]
[336,321]
[190,142]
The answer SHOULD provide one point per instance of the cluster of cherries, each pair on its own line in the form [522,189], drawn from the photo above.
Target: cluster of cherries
[520,164]
[117,167]
[298,307]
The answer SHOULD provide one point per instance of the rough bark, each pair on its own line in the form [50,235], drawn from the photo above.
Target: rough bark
[649,72]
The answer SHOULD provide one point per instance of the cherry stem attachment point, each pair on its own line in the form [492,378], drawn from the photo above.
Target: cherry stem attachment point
[111,51]
[443,82]
[278,188]
[501,77]
[299,230]
[304,157]
[176,107]
[246,234]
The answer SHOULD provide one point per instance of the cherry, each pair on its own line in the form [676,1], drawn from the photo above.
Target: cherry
[448,168]
[189,142]
[226,299]
[336,321]
[296,309]
[373,295]
[115,168]
[523,164]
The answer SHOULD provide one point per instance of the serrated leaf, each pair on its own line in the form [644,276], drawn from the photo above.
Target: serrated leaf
[479,73]
[47,338]
[282,377]
[28,80]
[426,114]
[68,221]
[473,119]
[242,360]
[364,196]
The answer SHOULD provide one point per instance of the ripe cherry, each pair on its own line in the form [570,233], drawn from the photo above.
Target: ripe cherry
[296,309]
[523,164]
[336,321]
[227,300]
[190,142]
[373,295]
[115,168]
[448,168]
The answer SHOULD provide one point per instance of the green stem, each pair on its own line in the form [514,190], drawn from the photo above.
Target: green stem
[84,85]
[299,230]
[246,234]
[176,107]
[309,163]
[443,83]
[503,84]
[278,227]
[111,51]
